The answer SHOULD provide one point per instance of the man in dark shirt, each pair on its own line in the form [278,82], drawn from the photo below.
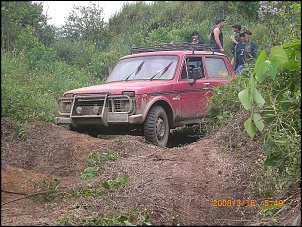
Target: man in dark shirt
[246,51]
[216,37]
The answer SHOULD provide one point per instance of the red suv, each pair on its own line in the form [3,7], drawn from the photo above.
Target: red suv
[155,88]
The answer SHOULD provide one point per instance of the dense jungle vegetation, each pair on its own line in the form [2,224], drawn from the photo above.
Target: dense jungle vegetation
[39,62]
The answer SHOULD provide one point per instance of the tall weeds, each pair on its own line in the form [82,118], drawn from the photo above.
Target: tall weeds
[28,93]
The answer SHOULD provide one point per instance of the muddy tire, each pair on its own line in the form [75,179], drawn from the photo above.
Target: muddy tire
[156,126]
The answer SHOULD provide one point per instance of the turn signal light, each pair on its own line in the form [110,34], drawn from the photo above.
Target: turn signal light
[129,93]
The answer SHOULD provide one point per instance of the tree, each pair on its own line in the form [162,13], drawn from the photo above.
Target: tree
[86,23]
[23,17]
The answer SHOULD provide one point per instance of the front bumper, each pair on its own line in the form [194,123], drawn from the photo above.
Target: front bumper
[97,109]
[110,119]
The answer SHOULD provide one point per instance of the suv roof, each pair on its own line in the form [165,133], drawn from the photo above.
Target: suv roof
[172,47]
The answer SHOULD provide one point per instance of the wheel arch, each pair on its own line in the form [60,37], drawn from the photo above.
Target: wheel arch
[167,107]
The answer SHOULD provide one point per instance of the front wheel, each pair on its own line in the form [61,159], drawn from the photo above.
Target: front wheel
[156,126]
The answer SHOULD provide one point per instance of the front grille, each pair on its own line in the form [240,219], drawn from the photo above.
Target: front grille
[114,104]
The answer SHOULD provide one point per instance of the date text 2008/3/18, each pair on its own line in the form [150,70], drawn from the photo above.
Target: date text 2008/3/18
[244,202]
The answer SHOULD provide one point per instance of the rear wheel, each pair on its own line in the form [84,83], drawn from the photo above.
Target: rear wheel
[156,126]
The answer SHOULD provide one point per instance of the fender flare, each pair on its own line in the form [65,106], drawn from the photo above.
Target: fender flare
[161,101]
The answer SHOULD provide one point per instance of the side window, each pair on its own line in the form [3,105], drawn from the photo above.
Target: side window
[189,64]
[216,68]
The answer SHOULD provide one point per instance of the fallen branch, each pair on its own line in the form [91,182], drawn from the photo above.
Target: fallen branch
[23,197]
[29,195]
[19,193]
[26,195]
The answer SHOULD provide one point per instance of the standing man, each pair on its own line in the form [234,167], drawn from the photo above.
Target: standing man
[246,51]
[216,37]
[235,39]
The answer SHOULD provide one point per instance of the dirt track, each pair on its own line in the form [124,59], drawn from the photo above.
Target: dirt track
[180,184]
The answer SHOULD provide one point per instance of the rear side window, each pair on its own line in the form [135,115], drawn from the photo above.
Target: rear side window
[216,68]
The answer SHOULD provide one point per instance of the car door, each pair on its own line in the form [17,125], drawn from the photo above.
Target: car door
[216,71]
[193,92]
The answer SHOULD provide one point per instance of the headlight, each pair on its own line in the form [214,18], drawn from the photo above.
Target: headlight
[66,107]
[70,95]
[66,102]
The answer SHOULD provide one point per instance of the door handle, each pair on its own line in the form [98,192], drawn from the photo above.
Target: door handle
[207,84]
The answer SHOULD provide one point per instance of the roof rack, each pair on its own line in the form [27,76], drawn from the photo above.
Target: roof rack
[171,46]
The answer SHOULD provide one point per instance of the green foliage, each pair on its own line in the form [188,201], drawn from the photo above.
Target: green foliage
[97,160]
[116,182]
[87,23]
[88,191]
[23,17]
[46,187]
[32,94]
[74,53]
[284,102]
[280,18]
[89,173]
[41,57]
[271,94]
[21,133]
[25,40]
[248,9]
[224,103]
[133,217]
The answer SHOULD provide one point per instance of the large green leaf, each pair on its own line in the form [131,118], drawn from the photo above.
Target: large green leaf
[280,55]
[260,59]
[273,68]
[258,121]
[292,65]
[250,127]
[244,97]
[295,44]
[263,68]
[258,97]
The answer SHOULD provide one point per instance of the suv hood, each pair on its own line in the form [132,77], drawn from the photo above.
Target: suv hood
[116,88]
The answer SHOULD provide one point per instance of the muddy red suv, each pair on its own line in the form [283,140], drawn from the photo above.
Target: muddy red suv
[155,88]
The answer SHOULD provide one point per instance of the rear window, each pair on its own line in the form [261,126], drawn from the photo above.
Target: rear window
[216,68]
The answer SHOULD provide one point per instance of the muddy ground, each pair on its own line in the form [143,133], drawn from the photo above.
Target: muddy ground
[180,184]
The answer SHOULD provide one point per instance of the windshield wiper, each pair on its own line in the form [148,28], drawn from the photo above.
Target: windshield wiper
[136,71]
[163,71]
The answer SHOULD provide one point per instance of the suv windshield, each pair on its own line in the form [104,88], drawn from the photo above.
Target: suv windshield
[144,68]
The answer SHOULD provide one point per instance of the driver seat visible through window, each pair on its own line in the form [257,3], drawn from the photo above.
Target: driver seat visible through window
[189,64]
